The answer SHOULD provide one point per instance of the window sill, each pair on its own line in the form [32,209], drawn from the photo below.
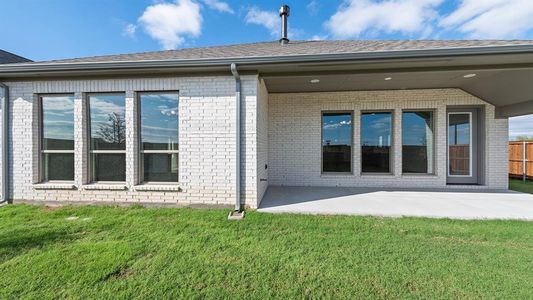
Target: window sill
[340,174]
[157,187]
[377,175]
[105,187]
[54,186]
[421,175]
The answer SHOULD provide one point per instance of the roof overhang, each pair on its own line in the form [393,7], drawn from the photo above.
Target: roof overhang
[503,72]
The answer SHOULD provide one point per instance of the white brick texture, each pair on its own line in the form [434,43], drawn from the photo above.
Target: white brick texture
[207,141]
[294,137]
[280,139]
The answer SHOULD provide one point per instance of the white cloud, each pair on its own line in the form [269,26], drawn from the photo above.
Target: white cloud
[169,23]
[357,17]
[337,125]
[268,19]
[491,18]
[520,126]
[129,30]
[313,7]
[271,21]
[219,6]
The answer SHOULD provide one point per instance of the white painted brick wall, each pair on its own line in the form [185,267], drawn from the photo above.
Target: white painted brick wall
[262,140]
[207,140]
[294,133]
[282,130]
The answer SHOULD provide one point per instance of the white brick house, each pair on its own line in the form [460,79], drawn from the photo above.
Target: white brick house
[406,114]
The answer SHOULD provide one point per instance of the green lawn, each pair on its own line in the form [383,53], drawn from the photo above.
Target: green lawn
[521,186]
[104,252]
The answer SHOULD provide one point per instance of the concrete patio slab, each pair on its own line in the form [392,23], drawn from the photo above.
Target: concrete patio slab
[444,203]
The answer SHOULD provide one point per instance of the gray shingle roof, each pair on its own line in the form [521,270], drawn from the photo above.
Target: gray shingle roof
[10,58]
[272,49]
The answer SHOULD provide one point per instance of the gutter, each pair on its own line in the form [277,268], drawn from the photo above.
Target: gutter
[5,147]
[238,213]
[21,69]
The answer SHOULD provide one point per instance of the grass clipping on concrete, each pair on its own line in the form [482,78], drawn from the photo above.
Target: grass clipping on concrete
[105,252]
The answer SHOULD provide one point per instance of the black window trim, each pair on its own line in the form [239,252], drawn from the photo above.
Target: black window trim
[433,123]
[392,148]
[351,113]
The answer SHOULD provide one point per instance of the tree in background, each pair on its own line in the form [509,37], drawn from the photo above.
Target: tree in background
[524,138]
[114,131]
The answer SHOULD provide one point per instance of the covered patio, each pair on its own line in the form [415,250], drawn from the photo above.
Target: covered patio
[301,98]
[432,203]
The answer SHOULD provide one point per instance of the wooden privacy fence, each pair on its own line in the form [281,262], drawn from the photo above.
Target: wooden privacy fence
[521,160]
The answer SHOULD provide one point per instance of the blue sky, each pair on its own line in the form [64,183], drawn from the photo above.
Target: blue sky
[55,29]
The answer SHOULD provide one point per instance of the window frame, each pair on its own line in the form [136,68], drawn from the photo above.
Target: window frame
[392,141]
[140,149]
[351,113]
[40,142]
[434,131]
[90,151]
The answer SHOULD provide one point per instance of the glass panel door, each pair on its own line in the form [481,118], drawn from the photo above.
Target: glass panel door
[460,144]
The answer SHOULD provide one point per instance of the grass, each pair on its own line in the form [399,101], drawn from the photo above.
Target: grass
[106,252]
[521,186]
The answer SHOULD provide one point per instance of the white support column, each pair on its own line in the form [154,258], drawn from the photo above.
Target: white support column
[36,135]
[132,142]
[356,143]
[81,140]
[3,138]
[397,143]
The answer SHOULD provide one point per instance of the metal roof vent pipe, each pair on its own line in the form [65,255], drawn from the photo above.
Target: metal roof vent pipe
[284,13]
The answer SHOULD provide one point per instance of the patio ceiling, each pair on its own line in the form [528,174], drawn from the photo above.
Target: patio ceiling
[507,82]
[511,91]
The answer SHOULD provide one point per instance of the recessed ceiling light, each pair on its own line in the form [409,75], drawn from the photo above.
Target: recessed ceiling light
[469,75]
[388,78]
[314,80]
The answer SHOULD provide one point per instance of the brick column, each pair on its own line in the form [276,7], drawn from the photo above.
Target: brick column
[356,143]
[397,143]
[132,142]
[81,141]
[36,168]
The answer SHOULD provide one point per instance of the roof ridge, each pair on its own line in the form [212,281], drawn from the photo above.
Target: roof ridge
[295,47]
[160,51]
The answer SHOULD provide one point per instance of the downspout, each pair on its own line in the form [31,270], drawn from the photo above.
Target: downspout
[237,77]
[5,131]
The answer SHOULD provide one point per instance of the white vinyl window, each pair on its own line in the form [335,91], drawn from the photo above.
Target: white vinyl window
[107,134]
[159,136]
[56,137]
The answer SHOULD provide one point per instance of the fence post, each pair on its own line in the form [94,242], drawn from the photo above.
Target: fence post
[524,161]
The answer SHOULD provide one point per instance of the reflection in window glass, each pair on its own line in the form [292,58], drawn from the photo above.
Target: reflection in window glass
[108,137]
[108,124]
[417,142]
[57,122]
[57,137]
[459,144]
[376,129]
[159,136]
[336,142]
